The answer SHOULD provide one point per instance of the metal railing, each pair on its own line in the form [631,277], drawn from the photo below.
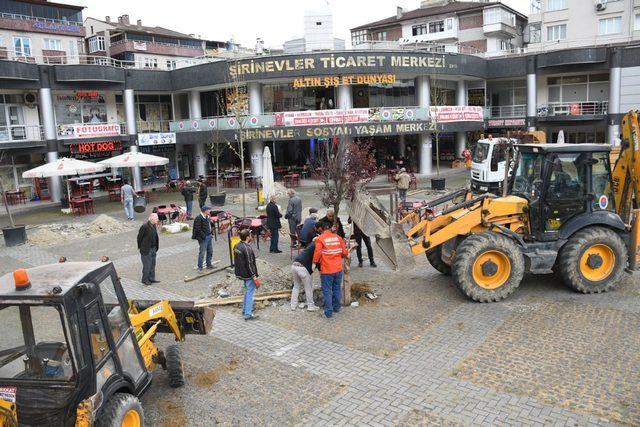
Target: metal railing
[15,133]
[503,111]
[586,108]
[39,19]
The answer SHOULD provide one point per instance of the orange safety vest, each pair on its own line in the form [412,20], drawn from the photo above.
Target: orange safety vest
[330,249]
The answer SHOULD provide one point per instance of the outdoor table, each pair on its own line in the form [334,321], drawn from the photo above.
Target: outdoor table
[253,181]
[210,180]
[165,213]
[292,180]
[221,220]
[82,205]
[255,226]
[232,181]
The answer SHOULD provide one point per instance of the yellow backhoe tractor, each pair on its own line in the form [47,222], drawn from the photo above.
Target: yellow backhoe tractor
[563,211]
[75,352]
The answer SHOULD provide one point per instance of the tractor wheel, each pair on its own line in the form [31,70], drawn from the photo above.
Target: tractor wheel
[435,259]
[174,366]
[121,410]
[593,260]
[488,267]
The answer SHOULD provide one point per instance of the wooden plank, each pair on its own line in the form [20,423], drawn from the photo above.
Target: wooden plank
[240,299]
[205,272]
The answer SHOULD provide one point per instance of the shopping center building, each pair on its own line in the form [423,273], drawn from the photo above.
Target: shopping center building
[296,102]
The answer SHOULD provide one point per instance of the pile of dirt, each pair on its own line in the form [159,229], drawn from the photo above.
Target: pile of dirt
[53,234]
[359,291]
[273,279]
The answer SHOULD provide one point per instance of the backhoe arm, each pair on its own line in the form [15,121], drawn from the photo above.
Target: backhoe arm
[160,311]
[626,172]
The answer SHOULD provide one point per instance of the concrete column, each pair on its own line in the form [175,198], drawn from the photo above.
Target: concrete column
[199,151]
[344,97]
[256,108]
[50,135]
[532,94]
[402,146]
[615,77]
[195,109]
[132,131]
[423,100]
[461,101]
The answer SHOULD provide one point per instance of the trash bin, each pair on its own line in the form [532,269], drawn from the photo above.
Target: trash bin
[139,204]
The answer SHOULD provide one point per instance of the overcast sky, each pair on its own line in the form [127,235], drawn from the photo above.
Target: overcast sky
[273,20]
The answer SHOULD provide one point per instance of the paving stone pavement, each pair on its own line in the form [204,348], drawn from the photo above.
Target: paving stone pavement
[384,391]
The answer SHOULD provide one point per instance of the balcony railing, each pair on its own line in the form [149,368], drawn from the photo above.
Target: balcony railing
[38,19]
[592,108]
[504,111]
[15,133]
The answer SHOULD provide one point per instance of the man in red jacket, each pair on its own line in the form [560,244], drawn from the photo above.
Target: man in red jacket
[329,252]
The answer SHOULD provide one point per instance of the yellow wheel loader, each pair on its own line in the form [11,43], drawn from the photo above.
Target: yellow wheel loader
[75,352]
[564,211]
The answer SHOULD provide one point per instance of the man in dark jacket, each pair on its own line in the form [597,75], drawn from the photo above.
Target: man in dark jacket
[273,224]
[148,245]
[294,211]
[245,269]
[302,269]
[187,193]
[202,233]
[360,237]
[202,192]
[331,218]
[308,226]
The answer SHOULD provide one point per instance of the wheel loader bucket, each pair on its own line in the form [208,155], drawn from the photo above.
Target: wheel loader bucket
[372,218]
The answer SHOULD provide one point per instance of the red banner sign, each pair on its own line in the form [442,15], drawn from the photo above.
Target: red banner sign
[497,123]
[457,114]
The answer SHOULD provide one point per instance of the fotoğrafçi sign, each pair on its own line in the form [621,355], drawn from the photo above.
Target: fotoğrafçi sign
[165,138]
[88,130]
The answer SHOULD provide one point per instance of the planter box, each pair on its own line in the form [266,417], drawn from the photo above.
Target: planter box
[218,199]
[437,183]
[14,236]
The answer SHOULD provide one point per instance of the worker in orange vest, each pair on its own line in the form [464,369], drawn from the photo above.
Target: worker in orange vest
[329,252]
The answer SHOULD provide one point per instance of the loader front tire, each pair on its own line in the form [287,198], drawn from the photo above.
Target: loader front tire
[122,409]
[593,260]
[175,370]
[488,267]
[435,259]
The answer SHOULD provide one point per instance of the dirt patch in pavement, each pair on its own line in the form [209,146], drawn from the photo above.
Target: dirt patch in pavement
[173,414]
[273,279]
[208,378]
[56,233]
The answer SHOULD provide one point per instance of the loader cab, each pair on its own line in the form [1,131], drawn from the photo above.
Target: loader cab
[67,338]
[565,186]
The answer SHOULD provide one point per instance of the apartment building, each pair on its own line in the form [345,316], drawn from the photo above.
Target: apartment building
[559,24]
[41,31]
[140,46]
[462,26]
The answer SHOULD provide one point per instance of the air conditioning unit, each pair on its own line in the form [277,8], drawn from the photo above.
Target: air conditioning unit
[30,99]
[601,5]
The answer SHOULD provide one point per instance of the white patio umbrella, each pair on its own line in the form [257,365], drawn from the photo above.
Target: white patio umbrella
[268,187]
[64,167]
[132,160]
[560,137]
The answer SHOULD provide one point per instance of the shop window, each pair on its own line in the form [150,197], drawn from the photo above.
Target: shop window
[70,109]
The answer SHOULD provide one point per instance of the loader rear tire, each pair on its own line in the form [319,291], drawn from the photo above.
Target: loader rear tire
[488,267]
[175,369]
[435,259]
[122,409]
[593,260]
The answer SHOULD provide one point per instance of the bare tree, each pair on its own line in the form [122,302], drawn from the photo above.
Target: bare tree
[438,99]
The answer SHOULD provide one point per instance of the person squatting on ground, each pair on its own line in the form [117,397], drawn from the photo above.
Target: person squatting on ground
[329,251]
[294,212]
[148,245]
[273,224]
[302,269]
[403,179]
[309,224]
[127,196]
[202,232]
[360,237]
[245,269]
[187,193]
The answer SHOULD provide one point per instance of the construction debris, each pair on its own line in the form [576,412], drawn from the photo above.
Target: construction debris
[55,234]
[273,279]
[239,299]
